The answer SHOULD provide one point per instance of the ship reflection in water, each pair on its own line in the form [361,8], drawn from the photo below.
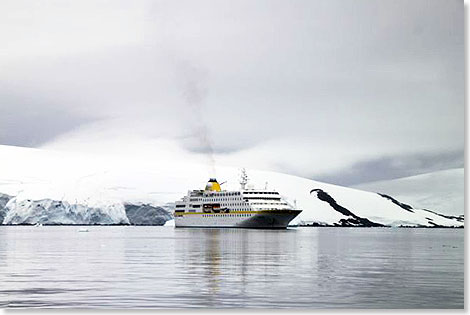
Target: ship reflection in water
[162,267]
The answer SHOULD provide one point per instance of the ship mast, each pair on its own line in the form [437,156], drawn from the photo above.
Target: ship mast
[243,179]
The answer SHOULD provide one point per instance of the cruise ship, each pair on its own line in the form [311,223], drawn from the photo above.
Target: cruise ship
[246,208]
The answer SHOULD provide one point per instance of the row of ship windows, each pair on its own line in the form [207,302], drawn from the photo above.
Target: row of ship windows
[218,195]
[235,205]
[238,199]
[214,199]
[223,205]
[224,194]
[229,204]
[194,210]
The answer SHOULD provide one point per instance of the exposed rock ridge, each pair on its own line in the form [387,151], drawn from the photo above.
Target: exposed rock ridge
[353,221]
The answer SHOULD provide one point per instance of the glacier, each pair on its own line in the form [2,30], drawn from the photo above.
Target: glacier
[47,211]
[146,214]
[4,198]
[55,212]
[17,210]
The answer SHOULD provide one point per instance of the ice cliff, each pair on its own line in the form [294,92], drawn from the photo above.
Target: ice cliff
[53,212]
[4,198]
[145,214]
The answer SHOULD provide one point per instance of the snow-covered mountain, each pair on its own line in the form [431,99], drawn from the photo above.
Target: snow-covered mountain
[83,189]
[442,191]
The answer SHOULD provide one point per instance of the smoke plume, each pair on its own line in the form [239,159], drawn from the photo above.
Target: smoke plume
[193,81]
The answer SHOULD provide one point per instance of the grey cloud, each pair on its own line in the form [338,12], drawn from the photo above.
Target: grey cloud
[193,144]
[226,76]
[31,121]
[392,167]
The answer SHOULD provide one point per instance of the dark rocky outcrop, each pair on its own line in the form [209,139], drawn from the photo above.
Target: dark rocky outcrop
[359,222]
[353,221]
[460,218]
[398,203]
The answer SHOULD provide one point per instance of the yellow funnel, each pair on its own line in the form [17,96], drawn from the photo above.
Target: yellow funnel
[213,185]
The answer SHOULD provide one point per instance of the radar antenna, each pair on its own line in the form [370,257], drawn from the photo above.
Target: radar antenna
[243,179]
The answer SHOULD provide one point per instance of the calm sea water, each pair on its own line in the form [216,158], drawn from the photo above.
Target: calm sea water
[163,267]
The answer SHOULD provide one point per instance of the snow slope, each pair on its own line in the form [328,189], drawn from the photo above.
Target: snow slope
[108,183]
[442,191]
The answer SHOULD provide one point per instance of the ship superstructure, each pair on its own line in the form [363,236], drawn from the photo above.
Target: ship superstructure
[247,208]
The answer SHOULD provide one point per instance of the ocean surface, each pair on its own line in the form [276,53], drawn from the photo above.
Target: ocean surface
[163,267]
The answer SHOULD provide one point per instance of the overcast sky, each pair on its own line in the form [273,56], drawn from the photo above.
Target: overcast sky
[343,91]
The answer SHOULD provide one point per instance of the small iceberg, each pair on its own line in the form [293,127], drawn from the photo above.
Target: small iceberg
[83,230]
[170,223]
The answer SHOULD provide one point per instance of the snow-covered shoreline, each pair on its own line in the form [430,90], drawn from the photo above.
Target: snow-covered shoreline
[52,212]
[50,187]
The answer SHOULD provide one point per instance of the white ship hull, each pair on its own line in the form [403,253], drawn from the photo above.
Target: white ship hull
[262,219]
